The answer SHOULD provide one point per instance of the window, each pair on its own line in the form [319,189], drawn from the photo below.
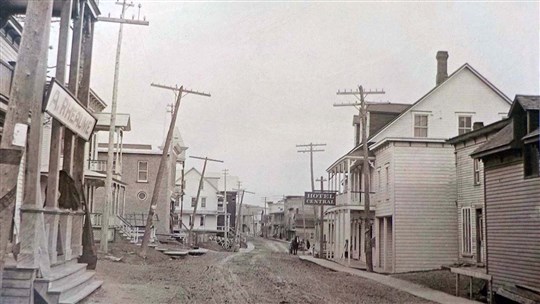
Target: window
[202,221]
[379,178]
[203,202]
[531,159]
[464,124]
[476,172]
[202,185]
[420,125]
[142,171]
[387,175]
[466,237]
[193,201]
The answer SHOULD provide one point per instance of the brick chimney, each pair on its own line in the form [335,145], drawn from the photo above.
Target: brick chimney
[477,125]
[442,66]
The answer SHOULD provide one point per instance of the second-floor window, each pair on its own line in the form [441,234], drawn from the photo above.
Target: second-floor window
[142,171]
[203,202]
[193,201]
[420,125]
[476,172]
[202,220]
[464,124]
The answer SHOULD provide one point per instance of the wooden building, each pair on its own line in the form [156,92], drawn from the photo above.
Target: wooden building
[470,192]
[512,202]
[205,220]
[45,261]
[412,176]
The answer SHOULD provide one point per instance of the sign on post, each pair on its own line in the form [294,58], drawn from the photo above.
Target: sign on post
[65,108]
[320,198]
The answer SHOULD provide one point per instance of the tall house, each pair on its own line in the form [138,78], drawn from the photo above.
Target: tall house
[412,176]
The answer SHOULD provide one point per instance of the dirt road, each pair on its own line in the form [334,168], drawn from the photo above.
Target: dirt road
[266,274]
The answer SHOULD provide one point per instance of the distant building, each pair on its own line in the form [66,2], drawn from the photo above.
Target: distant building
[251,219]
[205,219]
[138,170]
[511,161]
[296,216]
[276,225]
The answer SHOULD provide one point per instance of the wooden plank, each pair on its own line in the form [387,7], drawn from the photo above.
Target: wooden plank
[471,273]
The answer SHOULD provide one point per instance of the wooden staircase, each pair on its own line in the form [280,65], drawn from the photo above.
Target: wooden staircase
[68,282]
[17,286]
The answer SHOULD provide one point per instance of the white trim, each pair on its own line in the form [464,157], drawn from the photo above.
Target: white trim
[407,139]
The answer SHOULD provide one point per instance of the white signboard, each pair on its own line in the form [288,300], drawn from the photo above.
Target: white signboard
[65,108]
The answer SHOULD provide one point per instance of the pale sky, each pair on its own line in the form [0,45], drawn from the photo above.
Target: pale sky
[273,69]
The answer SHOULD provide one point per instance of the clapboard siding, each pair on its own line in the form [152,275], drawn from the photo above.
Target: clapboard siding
[513,226]
[384,194]
[425,219]
[469,194]
[7,51]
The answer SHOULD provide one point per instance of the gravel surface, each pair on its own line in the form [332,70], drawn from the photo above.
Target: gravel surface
[267,274]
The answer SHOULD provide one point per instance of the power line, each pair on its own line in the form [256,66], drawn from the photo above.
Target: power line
[360,95]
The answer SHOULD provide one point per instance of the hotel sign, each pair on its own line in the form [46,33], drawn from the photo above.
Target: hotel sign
[65,108]
[320,198]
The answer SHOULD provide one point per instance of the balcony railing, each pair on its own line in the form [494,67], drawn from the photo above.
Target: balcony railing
[101,166]
[357,198]
[6,78]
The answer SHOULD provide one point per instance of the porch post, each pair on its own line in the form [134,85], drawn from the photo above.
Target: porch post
[385,234]
[348,183]
[362,242]
[348,235]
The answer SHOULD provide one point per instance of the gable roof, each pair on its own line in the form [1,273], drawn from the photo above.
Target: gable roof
[199,173]
[501,141]
[527,102]
[463,67]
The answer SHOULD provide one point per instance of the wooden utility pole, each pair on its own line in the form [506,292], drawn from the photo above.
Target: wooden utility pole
[321,221]
[310,150]
[201,181]
[363,112]
[264,228]
[112,128]
[57,130]
[26,98]
[180,92]
[225,220]
[239,217]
